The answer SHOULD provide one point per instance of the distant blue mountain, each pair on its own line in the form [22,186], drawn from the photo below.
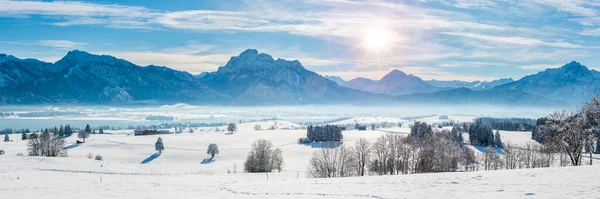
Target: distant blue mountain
[80,77]
[394,83]
[336,79]
[474,85]
[256,78]
[250,78]
[573,83]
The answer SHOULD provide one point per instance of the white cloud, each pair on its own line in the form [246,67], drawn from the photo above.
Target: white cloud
[575,7]
[64,44]
[539,66]
[591,32]
[515,40]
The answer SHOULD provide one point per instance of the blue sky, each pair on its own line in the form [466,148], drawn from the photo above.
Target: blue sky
[441,39]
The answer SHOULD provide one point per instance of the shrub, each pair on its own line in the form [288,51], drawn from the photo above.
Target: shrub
[99,157]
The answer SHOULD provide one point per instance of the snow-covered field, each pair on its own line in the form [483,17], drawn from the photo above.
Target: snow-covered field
[131,169]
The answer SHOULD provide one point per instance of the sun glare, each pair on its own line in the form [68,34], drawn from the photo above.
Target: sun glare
[376,39]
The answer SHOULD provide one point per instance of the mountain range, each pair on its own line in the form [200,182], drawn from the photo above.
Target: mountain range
[254,78]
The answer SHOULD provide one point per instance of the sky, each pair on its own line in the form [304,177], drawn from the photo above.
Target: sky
[433,39]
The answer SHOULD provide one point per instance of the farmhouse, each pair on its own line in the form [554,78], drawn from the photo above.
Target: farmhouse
[138,132]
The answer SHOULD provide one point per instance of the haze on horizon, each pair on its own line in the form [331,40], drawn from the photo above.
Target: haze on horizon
[435,39]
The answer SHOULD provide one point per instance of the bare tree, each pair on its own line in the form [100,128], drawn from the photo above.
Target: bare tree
[231,127]
[470,159]
[257,127]
[361,152]
[46,144]
[331,163]
[381,154]
[212,150]
[263,158]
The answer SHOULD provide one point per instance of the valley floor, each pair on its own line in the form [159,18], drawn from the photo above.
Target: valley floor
[131,169]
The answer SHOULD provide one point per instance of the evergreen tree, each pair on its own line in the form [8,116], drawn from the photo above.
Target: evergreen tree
[88,128]
[159,145]
[498,140]
[61,131]
[481,134]
[101,131]
[23,135]
[6,138]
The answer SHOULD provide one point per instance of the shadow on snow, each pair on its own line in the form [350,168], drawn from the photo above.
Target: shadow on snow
[331,145]
[500,151]
[207,160]
[71,146]
[152,157]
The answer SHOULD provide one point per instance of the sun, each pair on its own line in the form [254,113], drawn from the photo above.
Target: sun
[376,39]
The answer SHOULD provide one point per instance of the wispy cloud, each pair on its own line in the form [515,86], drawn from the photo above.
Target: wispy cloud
[515,40]
[63,44]
[443,34]
[539,66]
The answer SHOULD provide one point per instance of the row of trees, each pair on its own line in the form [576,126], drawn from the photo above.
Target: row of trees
[510,124]
[391,154]
[324,133]
[481,134]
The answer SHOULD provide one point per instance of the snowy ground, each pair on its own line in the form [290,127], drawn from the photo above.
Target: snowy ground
[131,169]
[82,178]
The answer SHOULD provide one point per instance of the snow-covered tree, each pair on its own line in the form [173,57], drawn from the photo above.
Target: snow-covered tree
[101,131]
[212,149]
[481,134]
[497,139]
[231,127]
[324,133]
[6,138]
[159,146]
[263,158]
[46,144]
[373,126]
[569,132]
[24,135]
[420,129]
[257,127]
[61,131]
[592,112]
[83,135]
